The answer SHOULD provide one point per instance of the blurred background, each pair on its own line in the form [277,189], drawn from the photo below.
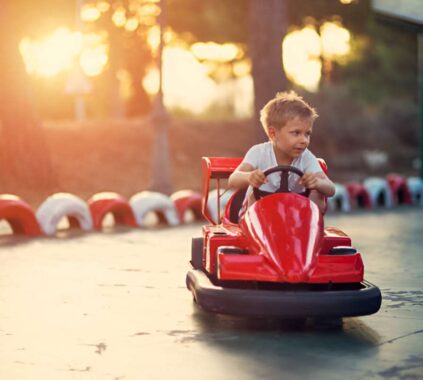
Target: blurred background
[128,95]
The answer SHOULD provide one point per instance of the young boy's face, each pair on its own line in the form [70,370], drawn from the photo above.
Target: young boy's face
[292,139]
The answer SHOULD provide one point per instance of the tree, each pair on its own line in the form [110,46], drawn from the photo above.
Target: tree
[24,158]
[128,50]
[268,26]
[259,25]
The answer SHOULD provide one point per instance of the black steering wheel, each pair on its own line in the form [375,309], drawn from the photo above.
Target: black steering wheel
[283,187]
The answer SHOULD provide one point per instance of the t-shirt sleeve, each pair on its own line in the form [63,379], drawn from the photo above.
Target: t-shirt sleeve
[311,164]
[252,157]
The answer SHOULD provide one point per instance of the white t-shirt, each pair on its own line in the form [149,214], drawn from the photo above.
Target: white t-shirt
[262,156]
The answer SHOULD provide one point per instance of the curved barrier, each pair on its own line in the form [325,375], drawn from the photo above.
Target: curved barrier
[380,192]
[61,205]
[341,200]
[150,201]
[359,196]
[19,215]
[224,199]
[399,189]
[101,204]
[185,200]
[415,185]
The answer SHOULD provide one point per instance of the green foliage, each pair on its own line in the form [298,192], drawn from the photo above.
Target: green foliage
[347,128]
[210,20]
[351,15]
[385,65]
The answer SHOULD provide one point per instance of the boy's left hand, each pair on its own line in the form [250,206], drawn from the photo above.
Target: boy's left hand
[310,180]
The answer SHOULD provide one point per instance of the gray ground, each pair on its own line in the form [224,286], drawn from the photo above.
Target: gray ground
[114,306]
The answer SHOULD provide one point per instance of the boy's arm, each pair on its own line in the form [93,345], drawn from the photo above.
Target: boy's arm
[318,181]
[245,175]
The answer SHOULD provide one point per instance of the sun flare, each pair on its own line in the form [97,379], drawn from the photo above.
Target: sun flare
[187,85]
[187,70]
[60,51]
[303,51]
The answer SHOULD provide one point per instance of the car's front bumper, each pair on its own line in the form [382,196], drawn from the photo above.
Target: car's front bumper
[292,303]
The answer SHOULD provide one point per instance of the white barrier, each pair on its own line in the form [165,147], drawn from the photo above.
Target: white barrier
[341,200]
[61,205]
[415,184]
[145,202]
[212,202]
[380,192]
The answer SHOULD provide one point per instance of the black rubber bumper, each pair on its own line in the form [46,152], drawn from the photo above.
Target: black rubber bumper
[364,300]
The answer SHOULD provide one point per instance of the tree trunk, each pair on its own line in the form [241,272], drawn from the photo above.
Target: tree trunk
[24,158]
[268,26]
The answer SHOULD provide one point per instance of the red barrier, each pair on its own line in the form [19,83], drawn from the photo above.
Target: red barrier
[19,215]
[400,191]
[359,196]
[103,203]
[187,200]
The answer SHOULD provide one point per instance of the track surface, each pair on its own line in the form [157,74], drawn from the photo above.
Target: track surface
[114,306]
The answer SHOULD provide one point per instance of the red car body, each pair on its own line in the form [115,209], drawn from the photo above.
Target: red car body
[278,260]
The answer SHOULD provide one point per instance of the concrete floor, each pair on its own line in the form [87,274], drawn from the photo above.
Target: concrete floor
[114,306]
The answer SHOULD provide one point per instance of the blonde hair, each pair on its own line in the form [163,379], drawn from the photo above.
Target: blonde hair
[285,106]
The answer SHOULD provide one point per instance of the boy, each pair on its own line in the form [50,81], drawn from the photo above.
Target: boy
[288,122]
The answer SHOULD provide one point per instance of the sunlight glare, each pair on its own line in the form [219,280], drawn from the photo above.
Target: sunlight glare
[90,13]
[60,51]
[153,37]
[148,10]
[185,81]
[186,85]
[215,52]
[93,60]
[242,68]
[119,17]
[103,6]
[301,52]
[131,24]
[52,55]
[126,90]
[335,40]
[304,49]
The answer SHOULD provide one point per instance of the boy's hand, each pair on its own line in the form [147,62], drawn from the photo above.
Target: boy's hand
[256,178]
[310,180]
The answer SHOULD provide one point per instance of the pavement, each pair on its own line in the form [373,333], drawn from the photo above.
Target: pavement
[113,305]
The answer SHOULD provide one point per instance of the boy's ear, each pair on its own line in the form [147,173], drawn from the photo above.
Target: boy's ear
[271,132]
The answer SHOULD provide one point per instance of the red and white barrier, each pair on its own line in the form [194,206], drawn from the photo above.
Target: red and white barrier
[19,215]
[341,200]
[359,196]
[415,185]
[104,203]
[63,205]
[373,192]
[212,203]
[145,202]
[185,200]
[380,192]
[399,189]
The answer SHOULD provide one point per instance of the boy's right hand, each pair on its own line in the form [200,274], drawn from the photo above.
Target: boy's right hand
[257,178]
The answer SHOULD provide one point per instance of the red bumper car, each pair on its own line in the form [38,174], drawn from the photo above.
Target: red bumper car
[278,260]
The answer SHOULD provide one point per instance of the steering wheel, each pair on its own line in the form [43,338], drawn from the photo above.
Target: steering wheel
[283,187]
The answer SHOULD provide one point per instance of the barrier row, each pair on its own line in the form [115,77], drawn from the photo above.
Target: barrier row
[372,193]
[375,192]
[90,215]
